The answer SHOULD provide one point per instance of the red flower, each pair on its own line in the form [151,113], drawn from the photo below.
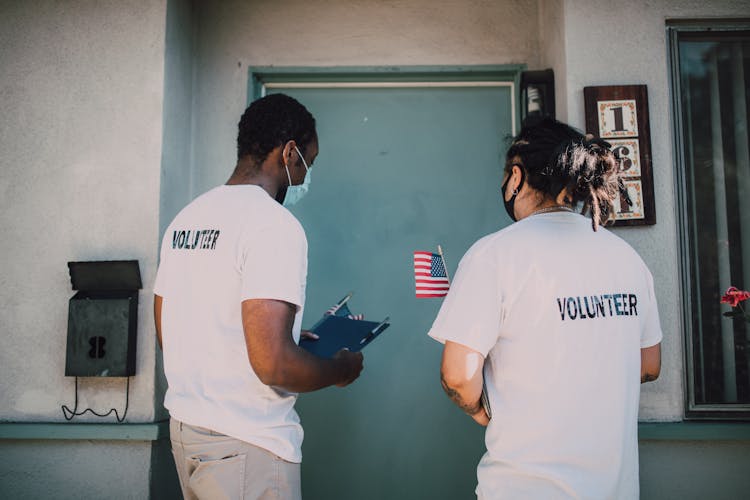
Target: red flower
[734,296]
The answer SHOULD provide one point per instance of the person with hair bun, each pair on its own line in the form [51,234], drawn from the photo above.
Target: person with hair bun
[549,326]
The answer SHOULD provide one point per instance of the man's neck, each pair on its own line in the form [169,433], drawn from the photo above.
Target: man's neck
[259,175]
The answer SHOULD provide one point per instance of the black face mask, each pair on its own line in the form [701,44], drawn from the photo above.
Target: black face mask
[509,205]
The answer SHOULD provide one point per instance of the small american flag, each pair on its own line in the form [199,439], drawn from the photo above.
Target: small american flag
[430,276]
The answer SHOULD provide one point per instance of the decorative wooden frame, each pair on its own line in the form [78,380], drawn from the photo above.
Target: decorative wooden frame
[619,115]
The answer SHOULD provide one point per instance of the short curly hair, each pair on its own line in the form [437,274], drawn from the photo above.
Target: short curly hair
[270,122]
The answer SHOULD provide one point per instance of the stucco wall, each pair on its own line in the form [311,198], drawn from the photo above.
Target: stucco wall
[552,49]
[81,98]
[176,173]
[609,43]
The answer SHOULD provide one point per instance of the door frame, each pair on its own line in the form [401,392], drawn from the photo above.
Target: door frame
[262,78]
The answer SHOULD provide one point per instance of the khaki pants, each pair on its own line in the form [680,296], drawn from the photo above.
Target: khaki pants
[213,466]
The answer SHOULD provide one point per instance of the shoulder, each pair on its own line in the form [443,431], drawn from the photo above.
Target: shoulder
[281,218]
[623,253]
[200,200]
[497,240]
[195,208]
[246,208]
[618,244]
[265,215]
[489,247]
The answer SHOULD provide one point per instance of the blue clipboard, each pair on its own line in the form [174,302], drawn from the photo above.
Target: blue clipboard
[337,331]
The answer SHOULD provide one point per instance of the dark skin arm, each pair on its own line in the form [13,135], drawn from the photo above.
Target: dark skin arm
[279,361]
[650,363]
[276,358]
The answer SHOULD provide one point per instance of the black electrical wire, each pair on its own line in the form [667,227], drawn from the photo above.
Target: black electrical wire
[75,413]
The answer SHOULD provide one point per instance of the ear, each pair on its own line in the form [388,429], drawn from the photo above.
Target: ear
[287,151]
[515,178]
[564,198]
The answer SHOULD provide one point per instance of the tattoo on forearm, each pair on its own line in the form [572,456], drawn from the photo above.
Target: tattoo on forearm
[470,408]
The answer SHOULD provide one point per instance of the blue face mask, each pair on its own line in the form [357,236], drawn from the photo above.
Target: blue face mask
[296,193]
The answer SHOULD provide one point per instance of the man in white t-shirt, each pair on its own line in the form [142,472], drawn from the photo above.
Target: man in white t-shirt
[557,322]
[229,297]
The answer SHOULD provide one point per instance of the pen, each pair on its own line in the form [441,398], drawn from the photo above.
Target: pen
[375,331]
[341,302]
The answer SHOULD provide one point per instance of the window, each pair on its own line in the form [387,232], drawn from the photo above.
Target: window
[710,78]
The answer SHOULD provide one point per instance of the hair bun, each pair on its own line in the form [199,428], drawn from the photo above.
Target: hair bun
[557,157]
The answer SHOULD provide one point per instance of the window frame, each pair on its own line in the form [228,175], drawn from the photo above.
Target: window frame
[674,30]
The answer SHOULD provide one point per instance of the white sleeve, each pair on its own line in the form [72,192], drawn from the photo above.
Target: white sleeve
[651,333]
[471,313]
[274,264]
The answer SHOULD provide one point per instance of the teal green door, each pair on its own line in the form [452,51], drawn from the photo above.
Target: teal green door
[399,170]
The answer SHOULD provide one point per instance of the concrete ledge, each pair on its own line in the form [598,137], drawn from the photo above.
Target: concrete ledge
[97,432]
[669,431]
[694,431]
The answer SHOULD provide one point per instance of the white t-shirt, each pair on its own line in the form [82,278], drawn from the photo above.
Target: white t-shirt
[230,244]
[560,313]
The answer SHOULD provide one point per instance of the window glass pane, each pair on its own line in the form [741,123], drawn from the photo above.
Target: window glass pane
[714,72]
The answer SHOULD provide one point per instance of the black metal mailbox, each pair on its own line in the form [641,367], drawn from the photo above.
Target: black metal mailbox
[103,318]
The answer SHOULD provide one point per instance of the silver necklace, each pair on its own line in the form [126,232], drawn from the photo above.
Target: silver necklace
[554,208]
